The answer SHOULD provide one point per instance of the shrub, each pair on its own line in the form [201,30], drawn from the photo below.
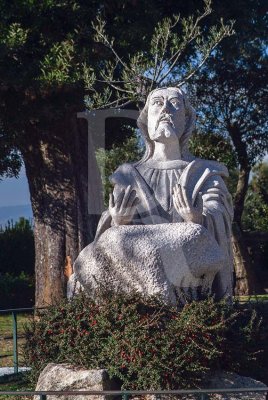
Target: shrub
[144,343]
[17,248]
[16,291]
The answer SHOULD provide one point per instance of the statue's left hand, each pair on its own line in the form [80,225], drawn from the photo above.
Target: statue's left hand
[184,205]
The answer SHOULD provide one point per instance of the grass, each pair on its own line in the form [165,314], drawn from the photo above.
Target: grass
[253,297]
[6,339]
[20,384]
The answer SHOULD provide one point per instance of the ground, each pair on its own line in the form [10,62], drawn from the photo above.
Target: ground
[6,342]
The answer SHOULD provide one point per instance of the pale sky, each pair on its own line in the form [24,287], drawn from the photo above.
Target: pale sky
[14,192]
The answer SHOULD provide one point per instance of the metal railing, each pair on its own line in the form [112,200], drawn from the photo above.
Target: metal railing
[125,394]
[14,312]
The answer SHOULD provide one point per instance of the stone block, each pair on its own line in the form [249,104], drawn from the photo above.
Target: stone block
[219,380]
[66,377]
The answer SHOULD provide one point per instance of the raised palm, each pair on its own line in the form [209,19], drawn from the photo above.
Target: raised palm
[184,206]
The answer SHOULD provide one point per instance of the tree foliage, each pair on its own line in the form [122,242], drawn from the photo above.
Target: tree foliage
[10,160]
[231,93]
[231,90]
[256,204]
[130,79]
[211,146]
[131,150]
[232,103]
[259,181]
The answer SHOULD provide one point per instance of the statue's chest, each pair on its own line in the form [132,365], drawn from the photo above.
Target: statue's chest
[161,183]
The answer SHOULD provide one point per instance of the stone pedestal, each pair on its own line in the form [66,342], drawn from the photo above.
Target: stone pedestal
[230,380]
[175,261]
[219,380]
[67,377]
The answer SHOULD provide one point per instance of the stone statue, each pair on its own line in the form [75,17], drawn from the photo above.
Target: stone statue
[167,231]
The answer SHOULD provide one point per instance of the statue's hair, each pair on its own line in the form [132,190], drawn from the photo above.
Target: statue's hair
[190,117]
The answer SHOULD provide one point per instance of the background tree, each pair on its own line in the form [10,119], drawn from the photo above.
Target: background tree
[177,49]
[213,146]
[43,46]
[130,150]
[10,160]
[232,99]
[255,220]
[255,217]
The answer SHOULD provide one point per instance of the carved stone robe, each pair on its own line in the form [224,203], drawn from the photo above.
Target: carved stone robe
[207,255]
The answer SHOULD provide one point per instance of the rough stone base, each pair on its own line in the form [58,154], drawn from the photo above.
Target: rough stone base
[174,261]
[220,380]
[68,377]
[229,380]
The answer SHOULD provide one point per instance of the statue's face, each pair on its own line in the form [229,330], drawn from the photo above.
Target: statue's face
[166,114]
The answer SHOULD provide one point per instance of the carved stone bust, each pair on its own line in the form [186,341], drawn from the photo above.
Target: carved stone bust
[167,231]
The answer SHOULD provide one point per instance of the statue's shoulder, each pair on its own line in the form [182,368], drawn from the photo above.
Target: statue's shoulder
[213,166]
[123,174]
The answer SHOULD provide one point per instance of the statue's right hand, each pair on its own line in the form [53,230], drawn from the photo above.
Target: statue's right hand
[123,207]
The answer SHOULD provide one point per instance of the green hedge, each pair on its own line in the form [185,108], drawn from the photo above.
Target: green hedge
[17,252]
[16,291]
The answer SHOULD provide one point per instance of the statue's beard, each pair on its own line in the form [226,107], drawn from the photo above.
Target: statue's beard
[165,130]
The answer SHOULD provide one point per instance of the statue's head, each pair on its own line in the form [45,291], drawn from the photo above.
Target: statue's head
[166,114]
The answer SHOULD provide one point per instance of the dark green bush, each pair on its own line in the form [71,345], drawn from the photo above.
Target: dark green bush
[17,248]
[144,343]
[16,291]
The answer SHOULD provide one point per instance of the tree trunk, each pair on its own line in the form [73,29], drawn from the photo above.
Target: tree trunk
[242,263]
[240,194]
[56,166]
[246,281]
